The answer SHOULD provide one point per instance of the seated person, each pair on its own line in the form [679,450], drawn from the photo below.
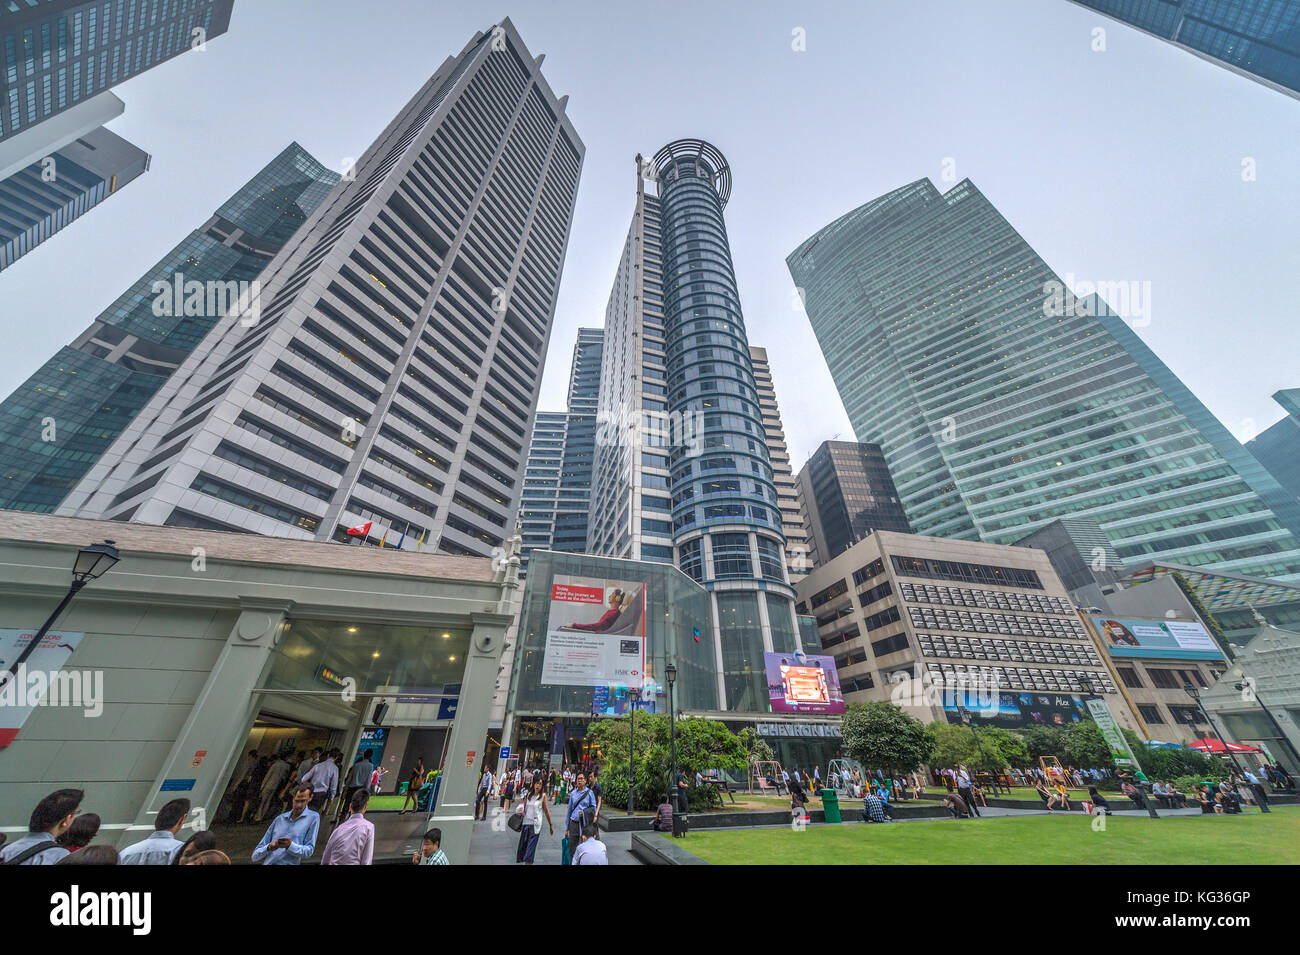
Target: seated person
[606,621]
[1177,799]
[1161,792]
[1230,802]
[1128,789]
[1208,805]
[663,821]
[874,809]
[1045,795]
[1099,803]
[977,794]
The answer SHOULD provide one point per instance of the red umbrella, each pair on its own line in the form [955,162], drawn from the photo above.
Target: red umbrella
[1215,746]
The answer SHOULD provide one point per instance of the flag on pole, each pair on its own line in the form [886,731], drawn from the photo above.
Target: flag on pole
[360,531]
[402,539]
[419,546]
[383,537]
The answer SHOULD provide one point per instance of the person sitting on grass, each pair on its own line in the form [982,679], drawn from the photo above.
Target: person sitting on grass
[873,808]
[956,805]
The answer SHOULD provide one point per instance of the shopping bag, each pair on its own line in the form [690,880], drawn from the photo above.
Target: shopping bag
[565,858]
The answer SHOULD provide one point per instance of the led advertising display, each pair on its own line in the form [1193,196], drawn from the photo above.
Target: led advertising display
[802,684]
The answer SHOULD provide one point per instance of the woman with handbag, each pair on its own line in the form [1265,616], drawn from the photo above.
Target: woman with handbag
[527,819]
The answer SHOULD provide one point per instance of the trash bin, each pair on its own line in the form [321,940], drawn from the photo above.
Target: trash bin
[831,805]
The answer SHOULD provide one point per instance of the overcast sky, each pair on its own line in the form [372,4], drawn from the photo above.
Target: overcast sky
[1122,165]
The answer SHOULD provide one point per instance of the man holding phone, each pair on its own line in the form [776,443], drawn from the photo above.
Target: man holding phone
[291,837]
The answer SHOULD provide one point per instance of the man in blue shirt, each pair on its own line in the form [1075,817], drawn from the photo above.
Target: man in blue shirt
[580,800]
[291,837]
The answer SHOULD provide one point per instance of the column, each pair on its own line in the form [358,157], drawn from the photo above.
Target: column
[454,814]
[200,761]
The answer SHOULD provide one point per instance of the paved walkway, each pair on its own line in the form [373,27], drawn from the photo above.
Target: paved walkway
[495,844]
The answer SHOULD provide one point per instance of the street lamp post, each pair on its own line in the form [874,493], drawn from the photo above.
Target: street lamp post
[92,563]
[670,677]
[1195,694]
[1267,712]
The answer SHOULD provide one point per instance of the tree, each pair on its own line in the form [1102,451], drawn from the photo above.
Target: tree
[701,744]
[953,744]
[1002,748]
[880,735]
[757,747]
[1086,747]
[1163,763]
[1044,741]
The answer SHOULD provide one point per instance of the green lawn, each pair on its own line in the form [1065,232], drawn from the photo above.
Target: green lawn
[1023,840]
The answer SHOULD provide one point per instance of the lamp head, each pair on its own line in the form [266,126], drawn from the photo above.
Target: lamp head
[94,561]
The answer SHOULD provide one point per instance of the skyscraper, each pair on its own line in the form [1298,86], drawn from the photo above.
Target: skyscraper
[40,200]
[787,491]
[1278,446]
[57,54]
[1003,402]
[92,389]
[846,492]
[1255,38]
[682,465]
[390,375]
[541,494]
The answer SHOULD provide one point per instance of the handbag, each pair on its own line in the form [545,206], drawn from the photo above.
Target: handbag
[516,820]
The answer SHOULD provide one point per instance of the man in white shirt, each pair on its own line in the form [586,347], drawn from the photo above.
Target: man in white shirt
[592,851]
[323,778]
[162,845]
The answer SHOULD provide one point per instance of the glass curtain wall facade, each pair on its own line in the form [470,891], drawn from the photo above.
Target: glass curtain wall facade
[848,492]
[93,388]
[683,471]
[392,373]
[1256,38]
[55,54]
[675,607]
[1278,446]
[1002,402]
[541,492]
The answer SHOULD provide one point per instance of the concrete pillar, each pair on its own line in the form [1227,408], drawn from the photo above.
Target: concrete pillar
[454,814]
[218,724]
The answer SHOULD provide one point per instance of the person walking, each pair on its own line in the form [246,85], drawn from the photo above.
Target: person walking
[291,837]
[162,845]
[52,817]
[353,841]
[415,784]
[581,801]
[532,807]
[358,778]
[276,775]
[323,781]
[483,794]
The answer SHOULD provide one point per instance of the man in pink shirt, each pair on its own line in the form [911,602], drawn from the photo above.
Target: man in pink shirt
[353,841]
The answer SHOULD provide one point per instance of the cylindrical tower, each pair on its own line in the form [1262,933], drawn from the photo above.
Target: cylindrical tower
[726,518]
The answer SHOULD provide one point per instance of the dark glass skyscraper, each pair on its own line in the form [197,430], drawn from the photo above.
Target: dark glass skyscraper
[1278,446]
[1256,38]
[1002,402]
[847,492]
[57,423]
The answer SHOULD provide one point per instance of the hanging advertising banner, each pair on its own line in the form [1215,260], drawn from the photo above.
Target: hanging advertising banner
[41,681]
[797,683]
[1179,639]
[596,633]
[1119,750]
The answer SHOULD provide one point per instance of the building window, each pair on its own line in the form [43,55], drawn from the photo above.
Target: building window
[1130,677]
[1151,714]
[1165,679]
[691,560]
[731,558]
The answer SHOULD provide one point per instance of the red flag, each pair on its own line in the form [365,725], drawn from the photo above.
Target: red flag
[362,531]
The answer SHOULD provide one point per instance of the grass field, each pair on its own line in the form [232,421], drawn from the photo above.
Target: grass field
[1020,840]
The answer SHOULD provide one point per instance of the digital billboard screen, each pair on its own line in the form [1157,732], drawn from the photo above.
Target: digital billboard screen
[595,634]
[1181,639]
[802,684]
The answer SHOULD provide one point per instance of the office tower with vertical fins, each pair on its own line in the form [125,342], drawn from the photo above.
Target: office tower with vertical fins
[91,390]
[787,490]
[696,484]
[391,372]
[1002,402]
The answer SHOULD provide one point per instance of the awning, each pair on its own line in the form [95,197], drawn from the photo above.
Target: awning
[1215,746]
